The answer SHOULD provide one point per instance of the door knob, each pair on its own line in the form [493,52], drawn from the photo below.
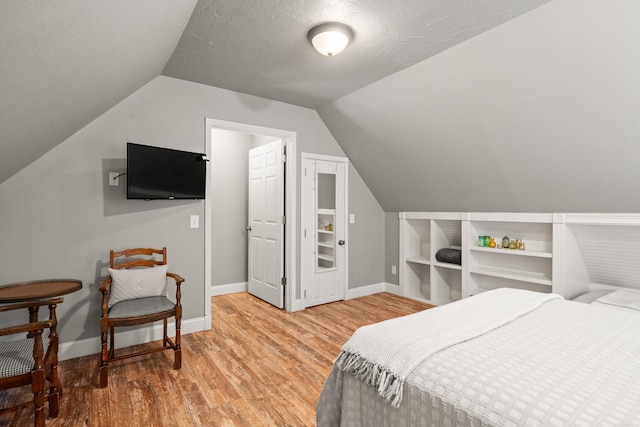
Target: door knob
[341,242]
[248,228]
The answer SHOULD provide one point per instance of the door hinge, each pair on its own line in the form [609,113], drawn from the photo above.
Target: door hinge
[284,219]
[283,281]
[284,158]
[305,294]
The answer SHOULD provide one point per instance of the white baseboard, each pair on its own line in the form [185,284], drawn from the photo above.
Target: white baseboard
[392,288]
[85,347]
[296,305]
[229,288]
[232,288]
[375,288]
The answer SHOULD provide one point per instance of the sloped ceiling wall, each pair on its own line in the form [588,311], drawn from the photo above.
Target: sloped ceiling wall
[261,48]
[66,62]
[538,114]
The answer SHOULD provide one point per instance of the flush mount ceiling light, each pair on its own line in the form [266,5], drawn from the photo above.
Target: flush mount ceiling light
[331,38]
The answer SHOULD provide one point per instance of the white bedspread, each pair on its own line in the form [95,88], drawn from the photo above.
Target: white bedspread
[562,364]
[383,354]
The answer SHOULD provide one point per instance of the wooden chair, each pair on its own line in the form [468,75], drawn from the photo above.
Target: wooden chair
[122,305]
[24,361]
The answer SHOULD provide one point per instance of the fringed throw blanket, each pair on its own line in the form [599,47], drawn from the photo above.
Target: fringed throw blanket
[383,355]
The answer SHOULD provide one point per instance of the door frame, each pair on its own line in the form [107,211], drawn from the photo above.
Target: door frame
[290,227]
[304,284]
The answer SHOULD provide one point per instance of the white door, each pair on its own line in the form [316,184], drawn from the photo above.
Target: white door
[266,222]
[324,229]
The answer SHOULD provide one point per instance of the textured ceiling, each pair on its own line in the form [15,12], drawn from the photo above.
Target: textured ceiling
[260,47]
[65,63]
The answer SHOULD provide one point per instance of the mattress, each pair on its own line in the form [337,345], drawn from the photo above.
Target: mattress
[563,363]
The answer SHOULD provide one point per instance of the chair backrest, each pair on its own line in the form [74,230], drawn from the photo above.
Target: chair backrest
[137,257]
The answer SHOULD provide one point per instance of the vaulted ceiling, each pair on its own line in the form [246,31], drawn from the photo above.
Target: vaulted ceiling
[65,63]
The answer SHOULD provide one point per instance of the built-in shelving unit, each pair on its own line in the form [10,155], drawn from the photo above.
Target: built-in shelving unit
[490,268]
[421,275]
[326,242]
[568,254]
[422,234]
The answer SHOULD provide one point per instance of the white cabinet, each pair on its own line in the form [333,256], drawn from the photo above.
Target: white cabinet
[422,234]
[491,268]
[422,277]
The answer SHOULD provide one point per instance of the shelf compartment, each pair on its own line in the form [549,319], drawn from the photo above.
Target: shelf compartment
[326,257]
[446,285]
[326,244]
[419,260]
[480,283]
[511,274]
[324,264]
[516,252]
[417,281]
[511,264]
[327,212]
[537,236]
[447,265]
[417,238]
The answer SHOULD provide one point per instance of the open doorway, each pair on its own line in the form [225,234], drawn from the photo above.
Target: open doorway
[226,207]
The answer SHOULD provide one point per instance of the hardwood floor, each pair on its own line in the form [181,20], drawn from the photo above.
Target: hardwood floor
[257,366]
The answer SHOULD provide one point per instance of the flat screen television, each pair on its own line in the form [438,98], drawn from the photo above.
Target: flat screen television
[164,173]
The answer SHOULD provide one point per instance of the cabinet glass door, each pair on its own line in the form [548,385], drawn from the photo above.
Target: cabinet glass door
[326,215]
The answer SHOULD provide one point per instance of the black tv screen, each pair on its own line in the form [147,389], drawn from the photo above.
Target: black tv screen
[163,173]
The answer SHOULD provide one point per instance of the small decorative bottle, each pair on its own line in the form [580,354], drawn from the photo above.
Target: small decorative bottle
[512,244]
[492,243]
[505,242]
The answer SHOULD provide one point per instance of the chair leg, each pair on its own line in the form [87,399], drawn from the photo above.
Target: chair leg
[37,387]
[55,390]
[177,362]
[104,359]
[177,353]
[165,342]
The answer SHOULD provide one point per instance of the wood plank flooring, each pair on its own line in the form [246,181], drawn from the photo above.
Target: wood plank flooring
[257,366]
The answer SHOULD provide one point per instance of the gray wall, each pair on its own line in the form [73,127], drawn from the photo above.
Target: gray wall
[59,217]
[366,235]
[392,247]
[229,180]
[539,114]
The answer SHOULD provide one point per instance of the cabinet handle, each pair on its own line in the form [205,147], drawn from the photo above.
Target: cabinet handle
[248,228]
[341,242]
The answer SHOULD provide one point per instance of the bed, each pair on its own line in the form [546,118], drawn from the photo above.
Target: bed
[501,358]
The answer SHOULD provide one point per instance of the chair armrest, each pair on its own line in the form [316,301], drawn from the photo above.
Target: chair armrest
[28,304]
[27,327]
[178,279]
[105,286]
